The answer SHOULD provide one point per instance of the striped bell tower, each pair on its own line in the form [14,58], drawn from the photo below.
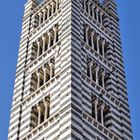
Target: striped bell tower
[70,80]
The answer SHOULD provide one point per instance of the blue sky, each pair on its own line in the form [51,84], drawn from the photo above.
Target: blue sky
[11,12]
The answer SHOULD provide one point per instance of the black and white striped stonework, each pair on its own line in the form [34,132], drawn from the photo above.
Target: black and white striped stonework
[70,80]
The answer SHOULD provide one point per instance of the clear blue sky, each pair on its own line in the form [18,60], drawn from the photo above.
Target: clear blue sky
[11,12]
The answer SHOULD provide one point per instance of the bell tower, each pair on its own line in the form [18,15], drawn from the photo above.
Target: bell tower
[70,79]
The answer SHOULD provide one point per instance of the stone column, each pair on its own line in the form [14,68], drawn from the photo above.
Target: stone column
[53,5]
[102,114]
[98,39]
[103,48]
[87,39]
[96,109]
[34,22]
[90,69]
[97,14]
[109,52]
[39,114]
[34,52]
[38,48]
[93,14]
[40,18]
[92,40]
[51,70]
[97,74]
[55,34]
[48,11]
[46,104]
[84,1]
[45,72]
[57,5]
[101,18]
[44,43]
[38,79]
[49,40]
[44,14]
[103,79]
[89,7]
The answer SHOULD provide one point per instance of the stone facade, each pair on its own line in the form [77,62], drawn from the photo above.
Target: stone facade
[70,80]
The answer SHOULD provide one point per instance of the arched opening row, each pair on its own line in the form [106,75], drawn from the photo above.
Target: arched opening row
[100,111]
[99,75]
[94,40]
[45,42]
[94,11]
[45,13]
[40,112]
[42,75]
